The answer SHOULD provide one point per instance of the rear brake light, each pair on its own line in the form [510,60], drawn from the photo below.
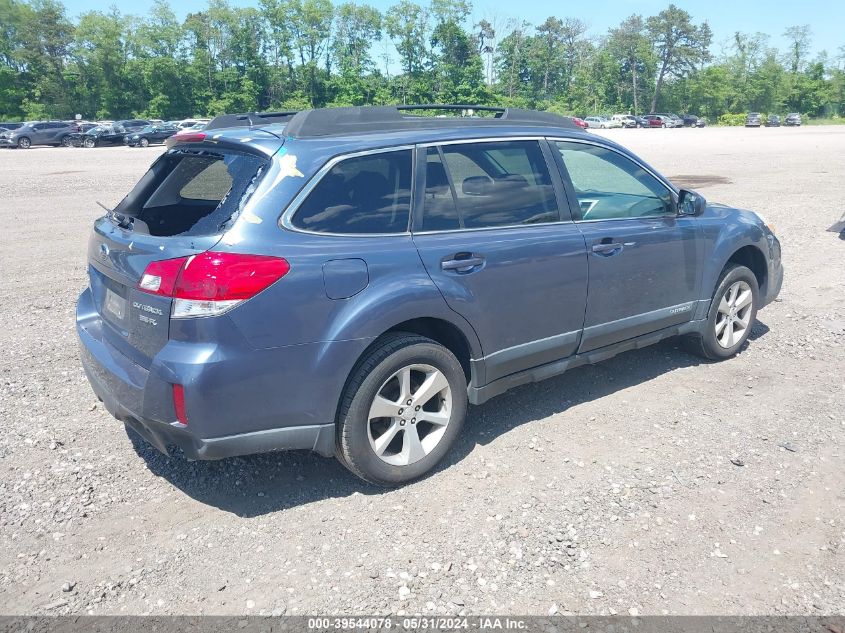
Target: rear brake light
[211,283]
[179,404]
[186,137]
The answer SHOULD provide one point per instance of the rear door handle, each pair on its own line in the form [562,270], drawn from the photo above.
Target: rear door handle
[462,263]
[608,249]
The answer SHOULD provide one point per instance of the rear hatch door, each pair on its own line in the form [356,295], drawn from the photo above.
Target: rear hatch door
[180,207]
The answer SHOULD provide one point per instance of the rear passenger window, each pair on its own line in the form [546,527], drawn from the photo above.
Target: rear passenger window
[490,184]
[361,195]
[439,210]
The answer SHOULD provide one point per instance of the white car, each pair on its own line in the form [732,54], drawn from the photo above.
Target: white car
[601,122]
[626,120]
[190,123]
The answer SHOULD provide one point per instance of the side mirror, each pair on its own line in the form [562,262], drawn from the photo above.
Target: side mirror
[691,203]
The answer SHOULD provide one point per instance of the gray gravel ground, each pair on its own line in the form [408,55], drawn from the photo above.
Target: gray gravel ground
[607,490]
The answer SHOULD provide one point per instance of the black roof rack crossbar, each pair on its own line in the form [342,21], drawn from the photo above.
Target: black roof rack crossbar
[249,119]
[375,119]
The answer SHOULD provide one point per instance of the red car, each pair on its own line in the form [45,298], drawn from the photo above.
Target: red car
[655,121]
[579,122]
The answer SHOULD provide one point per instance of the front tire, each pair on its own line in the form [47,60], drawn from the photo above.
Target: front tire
[144,142]
[401,410]
[733,311]
[24,142]
[89,143]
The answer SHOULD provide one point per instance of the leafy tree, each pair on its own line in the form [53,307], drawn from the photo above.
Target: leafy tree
[680,45]
[306,53]
[630,47]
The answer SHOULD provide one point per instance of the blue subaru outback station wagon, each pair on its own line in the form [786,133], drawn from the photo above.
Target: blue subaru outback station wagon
[348,280]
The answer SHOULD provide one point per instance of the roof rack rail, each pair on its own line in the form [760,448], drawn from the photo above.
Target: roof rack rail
[373,119]
[249,119]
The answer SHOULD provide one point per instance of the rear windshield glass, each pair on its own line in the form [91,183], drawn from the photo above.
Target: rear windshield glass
[192,193]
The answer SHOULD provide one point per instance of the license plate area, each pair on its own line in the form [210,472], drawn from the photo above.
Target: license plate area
[114,305]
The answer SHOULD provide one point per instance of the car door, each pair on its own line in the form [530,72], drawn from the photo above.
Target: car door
[494,232]
[644,259]
[40,133]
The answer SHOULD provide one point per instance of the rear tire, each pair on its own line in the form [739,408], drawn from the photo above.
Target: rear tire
[65,142]
[24,142]
[421,389]
[89,143]
[731,317]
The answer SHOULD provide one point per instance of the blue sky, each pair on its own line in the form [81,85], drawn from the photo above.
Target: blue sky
[825,17]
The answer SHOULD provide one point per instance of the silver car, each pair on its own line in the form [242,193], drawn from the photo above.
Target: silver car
[39,133]
[597,122]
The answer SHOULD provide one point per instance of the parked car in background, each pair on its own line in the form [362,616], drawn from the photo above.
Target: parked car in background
[130,125]
[580,122]
[189,123]
[773,120]
[53,133]
[659,120]
[206,301]
[10,125]
[150,134]
[99,136]
[674,119]
[754,119]
[601,122]
[690,120]
[793,119]
[625,120]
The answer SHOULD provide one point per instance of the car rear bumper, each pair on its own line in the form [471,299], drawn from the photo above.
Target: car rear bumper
[142,400]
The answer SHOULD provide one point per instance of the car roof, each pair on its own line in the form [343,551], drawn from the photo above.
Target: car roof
[370,127]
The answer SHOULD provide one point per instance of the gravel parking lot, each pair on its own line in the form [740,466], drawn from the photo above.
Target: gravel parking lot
[652,483]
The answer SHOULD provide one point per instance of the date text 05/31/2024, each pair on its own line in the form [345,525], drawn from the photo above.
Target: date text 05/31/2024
[418,623]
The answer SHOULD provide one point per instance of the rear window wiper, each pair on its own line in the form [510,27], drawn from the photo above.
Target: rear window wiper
[122,221]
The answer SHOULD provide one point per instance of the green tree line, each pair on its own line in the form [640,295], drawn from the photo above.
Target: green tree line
[294,54]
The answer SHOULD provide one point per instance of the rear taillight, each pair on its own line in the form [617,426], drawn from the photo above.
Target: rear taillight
[179,404]
[211,283]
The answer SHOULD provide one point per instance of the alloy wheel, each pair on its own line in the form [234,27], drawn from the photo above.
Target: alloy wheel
[24,143]
[144,142]
[734,314]
[409,414]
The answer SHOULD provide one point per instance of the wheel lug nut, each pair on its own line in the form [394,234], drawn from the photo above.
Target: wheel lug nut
[413,420]
[409,402]
[401,422]
[400,411]
[417,408]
